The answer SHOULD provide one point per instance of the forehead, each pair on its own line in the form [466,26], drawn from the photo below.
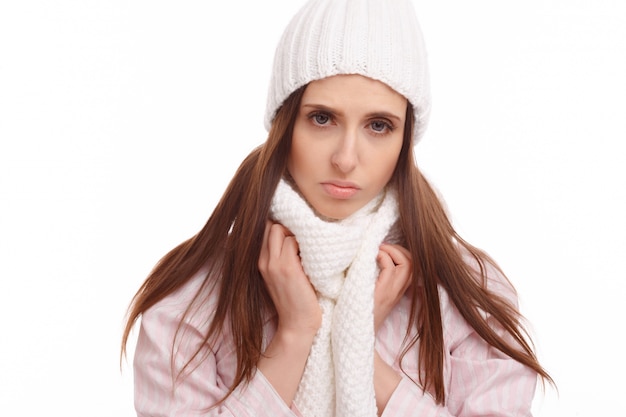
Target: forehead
[354,91]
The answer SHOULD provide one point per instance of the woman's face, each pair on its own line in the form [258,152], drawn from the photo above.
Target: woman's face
[346,141]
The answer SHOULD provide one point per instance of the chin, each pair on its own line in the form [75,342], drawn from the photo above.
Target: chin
[333,214]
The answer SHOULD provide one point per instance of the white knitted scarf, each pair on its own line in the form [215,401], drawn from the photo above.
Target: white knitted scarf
[339,257]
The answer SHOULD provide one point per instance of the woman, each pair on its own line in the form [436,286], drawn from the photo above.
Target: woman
[329,281]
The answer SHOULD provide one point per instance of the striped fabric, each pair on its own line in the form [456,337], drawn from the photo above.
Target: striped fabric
[479,380]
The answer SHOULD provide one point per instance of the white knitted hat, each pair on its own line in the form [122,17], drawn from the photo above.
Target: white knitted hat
[379,39]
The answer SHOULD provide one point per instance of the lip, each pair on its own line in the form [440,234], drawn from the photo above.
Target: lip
[340,189]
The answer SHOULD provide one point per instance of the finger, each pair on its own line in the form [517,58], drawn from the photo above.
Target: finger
[276,239]
[283,229]
[266,232]
[290,246]
[384,260]
[399,255]
[264,254]
[403,266]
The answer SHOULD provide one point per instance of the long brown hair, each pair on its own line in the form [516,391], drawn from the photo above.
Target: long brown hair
[230,242]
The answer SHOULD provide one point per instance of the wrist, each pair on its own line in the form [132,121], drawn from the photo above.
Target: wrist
[284,360]
[386,380]
[294,339]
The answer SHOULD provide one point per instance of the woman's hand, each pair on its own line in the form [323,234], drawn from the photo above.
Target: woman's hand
[396,270]
[289,287]
[299,313]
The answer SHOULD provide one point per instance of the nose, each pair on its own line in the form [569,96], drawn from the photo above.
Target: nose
[345,157]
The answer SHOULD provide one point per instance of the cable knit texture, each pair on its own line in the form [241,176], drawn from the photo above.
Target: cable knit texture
[339,257]
[379,39]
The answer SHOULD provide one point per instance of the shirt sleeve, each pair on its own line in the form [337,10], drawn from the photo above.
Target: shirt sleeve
[158,392]
[491,385]
[480,380]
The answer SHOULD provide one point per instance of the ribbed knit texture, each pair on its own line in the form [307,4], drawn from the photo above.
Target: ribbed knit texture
[339,257]
[379,39]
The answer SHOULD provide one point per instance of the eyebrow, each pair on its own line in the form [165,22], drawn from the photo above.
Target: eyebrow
[375,114]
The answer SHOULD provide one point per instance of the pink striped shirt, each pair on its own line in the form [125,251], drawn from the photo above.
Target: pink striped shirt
[479,380]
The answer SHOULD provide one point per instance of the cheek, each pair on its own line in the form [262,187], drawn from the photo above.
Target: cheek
[388,171]
[386,162]
[306,154]
[294,158]
[301,158]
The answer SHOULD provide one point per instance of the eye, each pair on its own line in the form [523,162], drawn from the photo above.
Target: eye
[320,118]
[378,126]
[381,126]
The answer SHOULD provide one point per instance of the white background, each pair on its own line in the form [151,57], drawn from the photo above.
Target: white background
[122,122]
